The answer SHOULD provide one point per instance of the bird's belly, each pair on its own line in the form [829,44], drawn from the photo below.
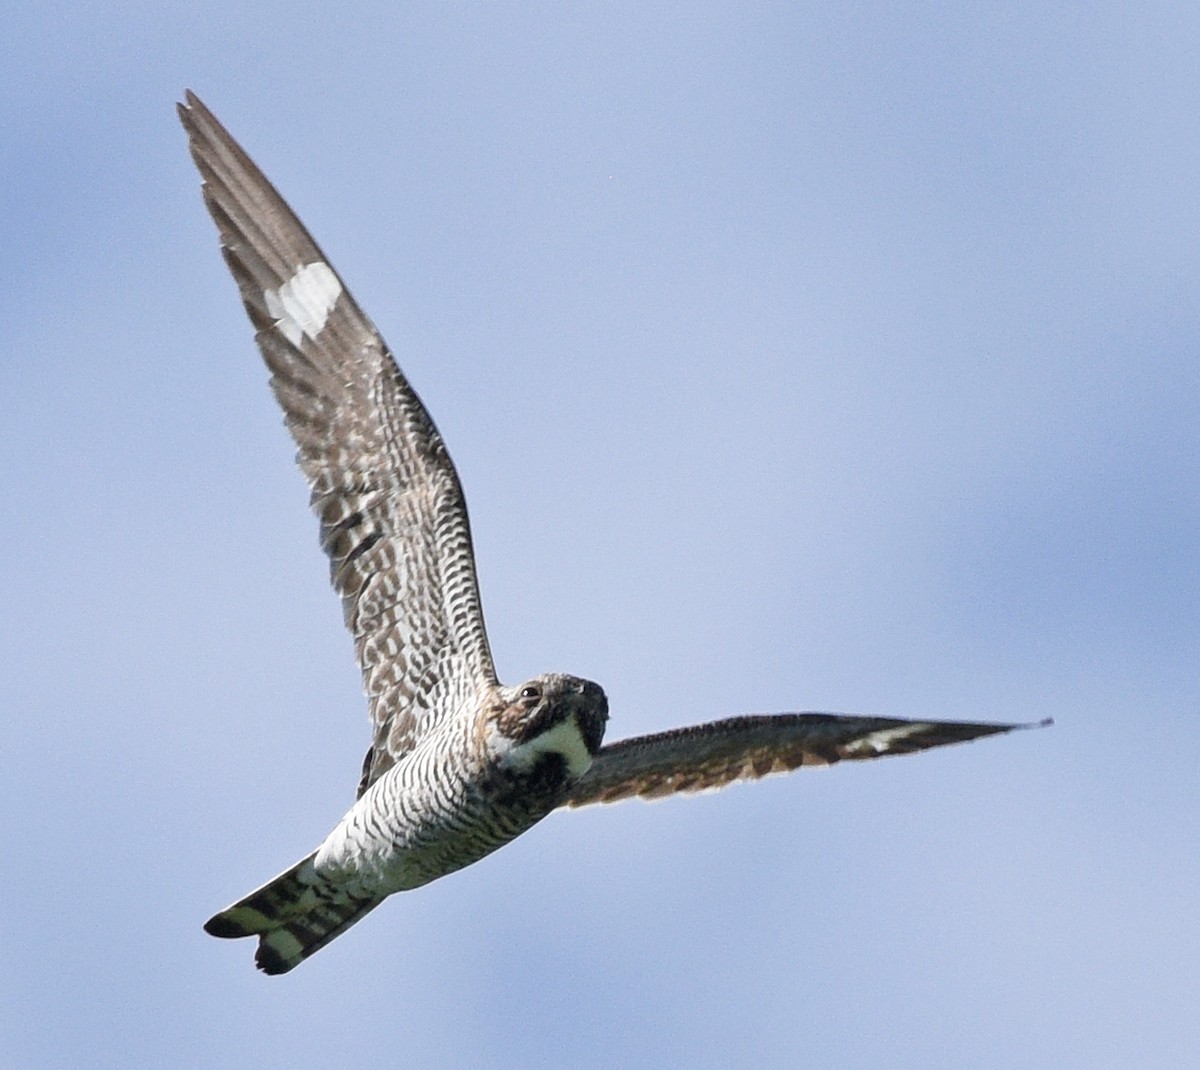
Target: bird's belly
[399,836]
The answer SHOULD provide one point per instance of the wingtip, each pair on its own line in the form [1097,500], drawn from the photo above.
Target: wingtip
[1013,726]
[1005,726]
[186,109]
[191,109]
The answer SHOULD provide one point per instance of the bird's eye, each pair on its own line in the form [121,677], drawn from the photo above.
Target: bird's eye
[531,691]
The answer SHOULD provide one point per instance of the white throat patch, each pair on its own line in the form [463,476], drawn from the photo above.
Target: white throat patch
[564,738]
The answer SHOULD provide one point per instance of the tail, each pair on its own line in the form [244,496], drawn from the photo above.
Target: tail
[293,916]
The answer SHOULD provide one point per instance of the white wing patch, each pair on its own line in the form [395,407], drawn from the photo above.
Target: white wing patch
[880,742]
[302,304]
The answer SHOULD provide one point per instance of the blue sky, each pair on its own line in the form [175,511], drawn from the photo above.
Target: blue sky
[797,356]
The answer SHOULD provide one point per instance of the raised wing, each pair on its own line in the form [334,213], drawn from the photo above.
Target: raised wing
[393,519]
[708,756]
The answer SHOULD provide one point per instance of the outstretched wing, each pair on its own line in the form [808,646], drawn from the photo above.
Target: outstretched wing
[393,519]
[708,756]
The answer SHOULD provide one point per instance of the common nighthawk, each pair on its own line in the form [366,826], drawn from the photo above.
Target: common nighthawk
[459,764]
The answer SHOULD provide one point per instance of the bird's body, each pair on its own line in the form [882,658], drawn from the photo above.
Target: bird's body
[459,764]
[470,786]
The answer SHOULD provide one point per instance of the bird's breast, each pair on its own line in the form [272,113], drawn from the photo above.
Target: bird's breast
[431,814]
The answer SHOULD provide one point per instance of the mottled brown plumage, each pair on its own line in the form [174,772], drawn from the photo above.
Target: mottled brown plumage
[459,764]
[705,757]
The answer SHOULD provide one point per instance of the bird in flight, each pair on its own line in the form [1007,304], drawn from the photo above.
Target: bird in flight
[459,763]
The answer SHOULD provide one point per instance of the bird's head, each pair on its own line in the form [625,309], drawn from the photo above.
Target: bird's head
[553,718]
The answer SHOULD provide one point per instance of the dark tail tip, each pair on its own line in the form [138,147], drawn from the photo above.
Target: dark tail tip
[220,925]
[270,961]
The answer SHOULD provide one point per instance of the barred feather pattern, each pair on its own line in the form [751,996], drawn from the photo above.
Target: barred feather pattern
[293,916]
[443,807]
[393,519]
[459,764]
[706,757]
